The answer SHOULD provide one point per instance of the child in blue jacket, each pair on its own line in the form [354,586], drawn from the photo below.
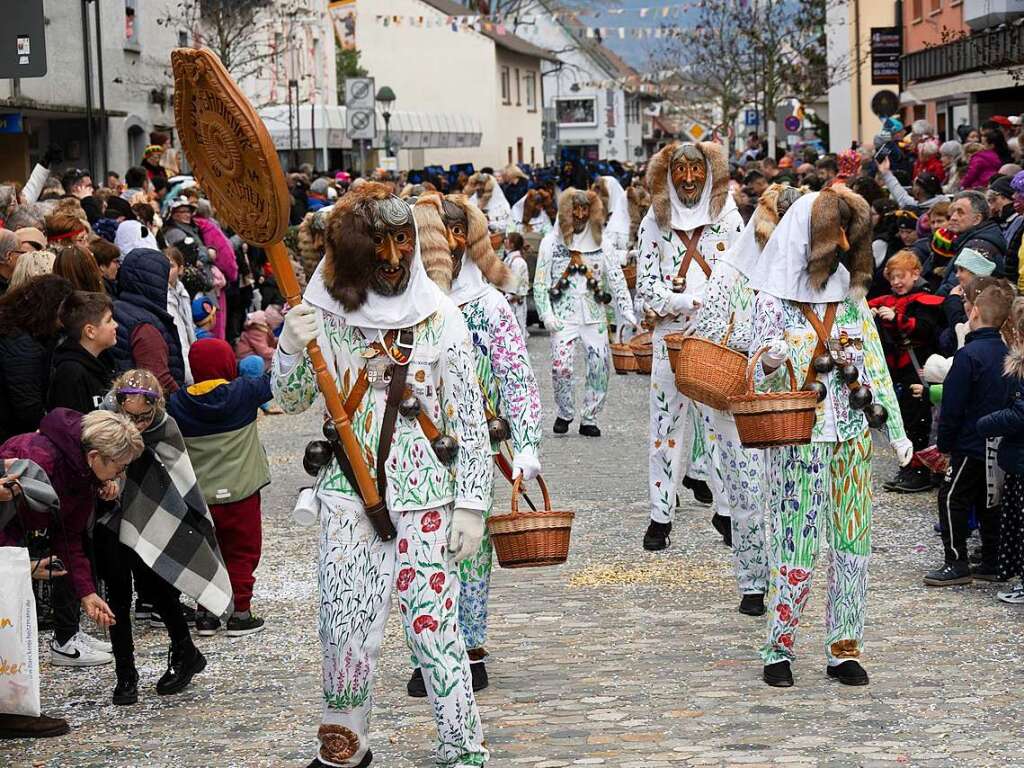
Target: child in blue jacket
[1008,424]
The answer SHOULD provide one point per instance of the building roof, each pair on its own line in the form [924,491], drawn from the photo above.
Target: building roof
[509,42]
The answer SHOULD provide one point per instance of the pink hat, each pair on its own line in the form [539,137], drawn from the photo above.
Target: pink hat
[342,176]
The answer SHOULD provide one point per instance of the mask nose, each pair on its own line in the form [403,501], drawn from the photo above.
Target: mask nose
[391,254]
[452,245]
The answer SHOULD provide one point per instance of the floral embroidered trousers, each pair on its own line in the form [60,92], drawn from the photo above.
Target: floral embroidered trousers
[815,490]
[475,575]
[736,478]
[594,338]
[677,439]
[357,576]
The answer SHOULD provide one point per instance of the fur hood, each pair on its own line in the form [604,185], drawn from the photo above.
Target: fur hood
[597,214]
[478,243]
[1013,365]
[657,180]
[836,212]
[767,215]
[481,185]
[434,251]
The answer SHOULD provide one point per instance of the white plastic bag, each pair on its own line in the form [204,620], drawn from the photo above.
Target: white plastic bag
[19,636]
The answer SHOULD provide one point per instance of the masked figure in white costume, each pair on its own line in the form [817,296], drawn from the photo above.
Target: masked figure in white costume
[485,193]
[692,222]
[529,214]
[577,276]
[616,204]
[399,350]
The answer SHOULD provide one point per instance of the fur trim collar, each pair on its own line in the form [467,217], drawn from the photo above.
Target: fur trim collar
[597,214]
[658,180]
[1013,365]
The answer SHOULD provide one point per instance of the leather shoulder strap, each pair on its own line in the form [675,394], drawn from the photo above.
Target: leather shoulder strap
[690,244]
[822,329]
[399,374]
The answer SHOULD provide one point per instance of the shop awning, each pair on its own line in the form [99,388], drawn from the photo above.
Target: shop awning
[321,125]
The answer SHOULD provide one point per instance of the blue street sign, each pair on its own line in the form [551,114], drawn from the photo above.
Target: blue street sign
[10,123]
[750,117]
[792,123]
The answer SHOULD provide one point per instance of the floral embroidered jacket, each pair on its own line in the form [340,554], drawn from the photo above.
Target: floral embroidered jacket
[503,369]
[442,376]
[660,254]
[577,303]
[776,318]
[728,295]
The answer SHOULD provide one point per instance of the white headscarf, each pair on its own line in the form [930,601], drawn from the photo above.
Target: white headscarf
[418,301]
[618,208]
[744,253]
[781,269]
[470,284]
[540,220]
[583,242]
[498,210]
[688,219]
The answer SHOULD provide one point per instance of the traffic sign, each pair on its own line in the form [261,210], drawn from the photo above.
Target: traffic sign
[696,131]
[792,123]
[360,123]
[359,92]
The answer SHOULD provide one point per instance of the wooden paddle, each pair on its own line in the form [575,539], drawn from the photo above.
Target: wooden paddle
[235,163]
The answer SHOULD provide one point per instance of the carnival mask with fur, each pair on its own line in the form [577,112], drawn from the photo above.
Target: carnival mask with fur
[601,188]
[532,206]
[689,174]
[580,212]
[456,224]
[841,234]
[370,242]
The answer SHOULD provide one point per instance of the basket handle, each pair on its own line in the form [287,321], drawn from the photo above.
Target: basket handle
[728,330]
[621,328]
[516,490]
[754,361]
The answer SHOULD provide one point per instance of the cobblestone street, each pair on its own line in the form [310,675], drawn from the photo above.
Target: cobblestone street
[619,658]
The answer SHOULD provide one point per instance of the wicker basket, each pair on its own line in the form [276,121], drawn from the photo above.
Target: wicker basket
[622,354]
[710,373]
[629,272]
[531,539]
[643,349]
[673,344]
[770,419]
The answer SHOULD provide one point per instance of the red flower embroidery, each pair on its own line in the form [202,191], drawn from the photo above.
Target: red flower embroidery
[431,521]
[785,614]
[782,570]
[405,577]
[424,622]
[448,604]
[437,582]
[786,640]
[403,546]
[798,575]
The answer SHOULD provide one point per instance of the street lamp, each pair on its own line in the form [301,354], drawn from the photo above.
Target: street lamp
[386,97]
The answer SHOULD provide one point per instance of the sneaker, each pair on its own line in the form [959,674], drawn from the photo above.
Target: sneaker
[26,727]
[723,525]
[949,575]
[850,672]
[187,612]
[417,686]
[77,653]
[985,572]
[247,624]
[700,490]
[752,604]
[1014,597]
[479,672]
[656,538]
[590,430]
[95,643]
[913,481]
[561,426]
[778,675]
[206,624]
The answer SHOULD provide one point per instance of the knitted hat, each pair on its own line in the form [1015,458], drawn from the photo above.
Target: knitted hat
[1018,183]
[942,243]
[1001,186]
[973,261]
[152,149]
[251,366]
[212,359]
[906,219]
[935,369]
[929,182]
[202,308]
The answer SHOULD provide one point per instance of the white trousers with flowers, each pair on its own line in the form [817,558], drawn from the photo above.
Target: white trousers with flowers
[677,439]
[358,573]
[594,338]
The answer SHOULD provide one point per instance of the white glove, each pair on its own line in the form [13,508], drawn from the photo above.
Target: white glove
[301,326]
[551,323]
[776,353]
[466,534]
[904,450]
[527,465]
[629,318]
[680,303]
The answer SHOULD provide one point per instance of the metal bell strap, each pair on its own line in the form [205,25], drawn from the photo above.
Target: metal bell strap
[690,242]
[823,330]
[444,446]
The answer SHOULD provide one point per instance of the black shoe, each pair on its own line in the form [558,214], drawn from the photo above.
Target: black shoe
[897,479]
[752,604]
[561,426]
[206,624]
[985,572]
[156,621]
[949,575]
[127,689]
[778,675]
[184,661]
[656,538]
[975,557]
[723,525]
[417,686]
[479,671]
[28,727]
[590,430]
[913,481]
[144,611]
[240,626]
[700,490]
[364,763]
[850,672]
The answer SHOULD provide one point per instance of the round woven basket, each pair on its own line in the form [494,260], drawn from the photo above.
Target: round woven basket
[674,343]
[629,272]
[710,373]
[531,539]
[643,350]
[622,354]
[772,419]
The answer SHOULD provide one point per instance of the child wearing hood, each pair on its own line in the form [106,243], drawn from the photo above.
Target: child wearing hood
[217,417]
[257,339]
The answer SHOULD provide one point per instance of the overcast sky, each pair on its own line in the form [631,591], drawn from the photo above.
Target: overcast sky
[634,51]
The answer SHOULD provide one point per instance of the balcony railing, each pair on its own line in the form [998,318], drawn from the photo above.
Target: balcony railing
[994,49]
